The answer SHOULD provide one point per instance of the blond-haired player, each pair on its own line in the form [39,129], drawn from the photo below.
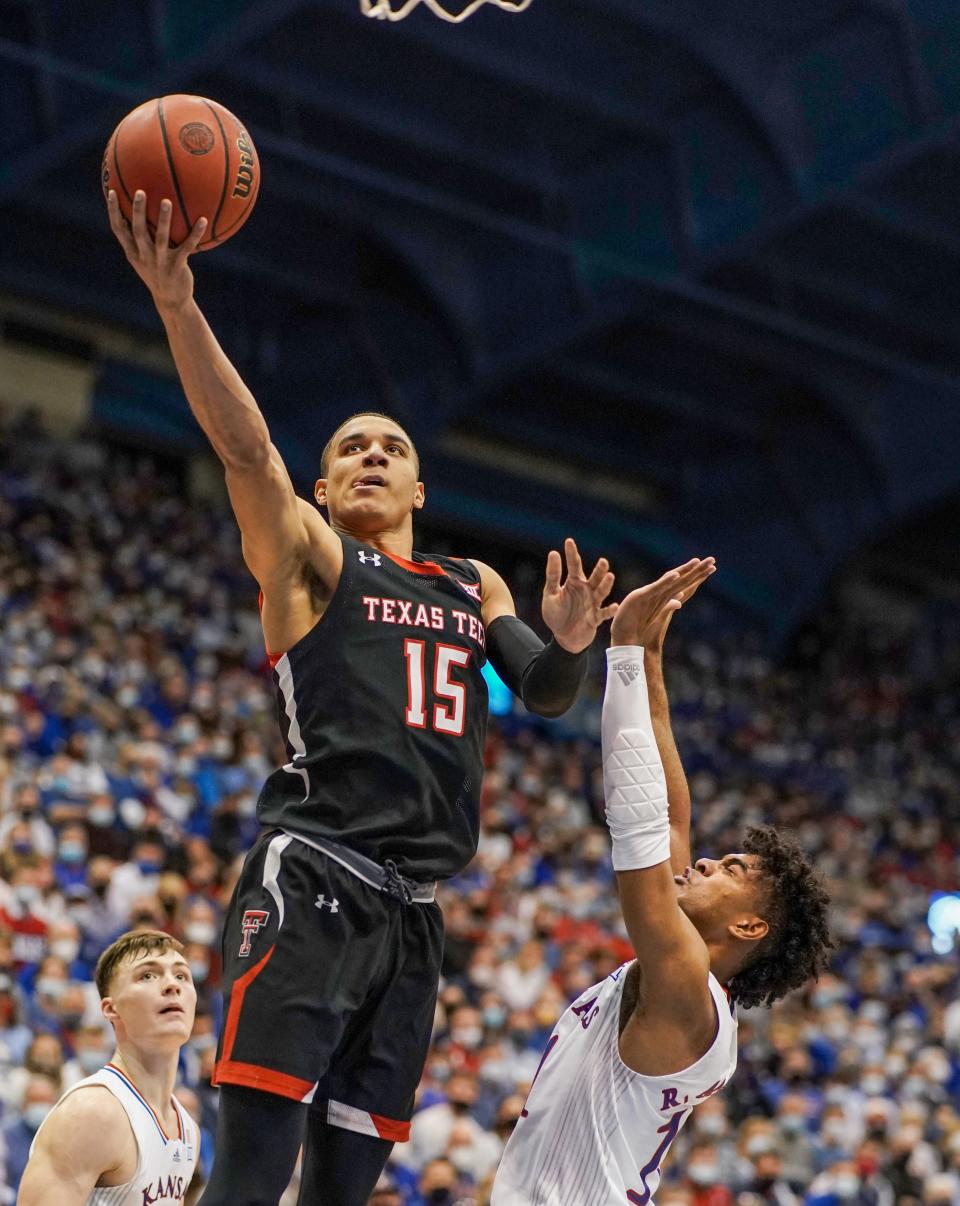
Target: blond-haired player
[120,1137]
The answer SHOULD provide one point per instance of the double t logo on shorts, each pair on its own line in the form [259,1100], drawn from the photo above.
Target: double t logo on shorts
[251,923]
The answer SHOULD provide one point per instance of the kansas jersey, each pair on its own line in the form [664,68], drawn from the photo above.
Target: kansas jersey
[383,707]
[165,1163]
[594,1131]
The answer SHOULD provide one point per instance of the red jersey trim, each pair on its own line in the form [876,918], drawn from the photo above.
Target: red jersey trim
[390,1128]
[416,567]
[272,658]
[236,1004]
[252,1076]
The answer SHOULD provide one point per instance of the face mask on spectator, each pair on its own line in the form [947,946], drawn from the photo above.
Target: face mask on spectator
[846,1185]
[50,986]
[202,1042]
[71,852]
[91,1059]
[704,1174]
[792,1124]
[467,1036]
[186,731]
[34,1114]
[66,949]
[874,1084]
[204,933]
[712,1124]
[148,866]
[26,895]
[914,1087]
[440,1197]
[101,815]
[71,1020]
[494,1017]
[132,812]
[199,970]
[24,847]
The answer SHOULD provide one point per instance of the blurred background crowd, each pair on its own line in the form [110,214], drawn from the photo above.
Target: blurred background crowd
[137,722]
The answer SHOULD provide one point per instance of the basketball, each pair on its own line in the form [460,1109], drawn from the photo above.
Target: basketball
[192,151]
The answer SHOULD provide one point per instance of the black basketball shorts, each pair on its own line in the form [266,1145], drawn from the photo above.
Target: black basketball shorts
[330,987]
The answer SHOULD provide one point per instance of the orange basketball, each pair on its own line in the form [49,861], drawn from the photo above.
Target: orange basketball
[192,151]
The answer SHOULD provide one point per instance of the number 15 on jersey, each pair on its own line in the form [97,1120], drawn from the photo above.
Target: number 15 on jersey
[448,714]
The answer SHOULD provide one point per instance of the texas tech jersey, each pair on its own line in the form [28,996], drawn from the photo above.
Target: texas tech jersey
[594,1131]
[383,708]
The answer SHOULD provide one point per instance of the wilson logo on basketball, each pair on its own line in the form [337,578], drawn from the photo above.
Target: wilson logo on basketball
[196,138]
[244,181]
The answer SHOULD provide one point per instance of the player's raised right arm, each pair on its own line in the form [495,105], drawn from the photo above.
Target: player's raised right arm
[280,532]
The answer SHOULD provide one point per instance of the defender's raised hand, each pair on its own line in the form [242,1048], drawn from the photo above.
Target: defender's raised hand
[645,614]
[162,268]
[575,610]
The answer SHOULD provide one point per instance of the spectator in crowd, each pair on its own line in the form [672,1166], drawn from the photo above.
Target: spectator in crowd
[40,1095]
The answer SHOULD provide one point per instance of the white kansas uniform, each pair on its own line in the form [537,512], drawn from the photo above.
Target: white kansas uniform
[594,1132]
[165,1163]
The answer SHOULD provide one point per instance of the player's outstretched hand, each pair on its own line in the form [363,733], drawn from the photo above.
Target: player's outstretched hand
[645,614]
[574,611]
[162,268]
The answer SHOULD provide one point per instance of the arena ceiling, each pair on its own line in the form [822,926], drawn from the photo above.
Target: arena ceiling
[676,276]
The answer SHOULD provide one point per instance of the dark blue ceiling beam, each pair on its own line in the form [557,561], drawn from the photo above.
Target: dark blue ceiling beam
[87,213]
[607,380]
[371,116]
[20,171]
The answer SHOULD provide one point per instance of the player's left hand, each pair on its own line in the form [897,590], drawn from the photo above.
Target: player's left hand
[645,614]
[574,611]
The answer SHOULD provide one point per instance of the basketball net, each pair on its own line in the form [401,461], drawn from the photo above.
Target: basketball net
[384,10]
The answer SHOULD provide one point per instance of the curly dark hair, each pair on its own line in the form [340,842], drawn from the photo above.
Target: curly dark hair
[799,943]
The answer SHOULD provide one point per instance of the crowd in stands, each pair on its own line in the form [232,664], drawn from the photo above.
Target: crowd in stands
[137,722]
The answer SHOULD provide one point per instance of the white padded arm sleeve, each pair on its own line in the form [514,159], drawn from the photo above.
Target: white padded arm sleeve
[633,781]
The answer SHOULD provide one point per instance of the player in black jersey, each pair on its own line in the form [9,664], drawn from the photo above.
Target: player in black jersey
[332,943]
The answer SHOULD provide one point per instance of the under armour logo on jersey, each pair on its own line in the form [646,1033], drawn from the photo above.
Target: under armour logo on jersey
[630,673]
[322,903]
[363,558]
[251,923]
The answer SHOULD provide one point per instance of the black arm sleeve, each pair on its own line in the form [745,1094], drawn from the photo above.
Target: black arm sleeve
[546,677]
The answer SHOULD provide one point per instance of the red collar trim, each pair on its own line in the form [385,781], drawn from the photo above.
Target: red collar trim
[417,567]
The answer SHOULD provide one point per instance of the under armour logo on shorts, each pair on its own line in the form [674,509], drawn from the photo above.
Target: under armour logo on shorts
[363,558]
[322,903]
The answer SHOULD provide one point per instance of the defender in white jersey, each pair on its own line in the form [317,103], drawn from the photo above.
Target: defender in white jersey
[120,1137]
[633,1056]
